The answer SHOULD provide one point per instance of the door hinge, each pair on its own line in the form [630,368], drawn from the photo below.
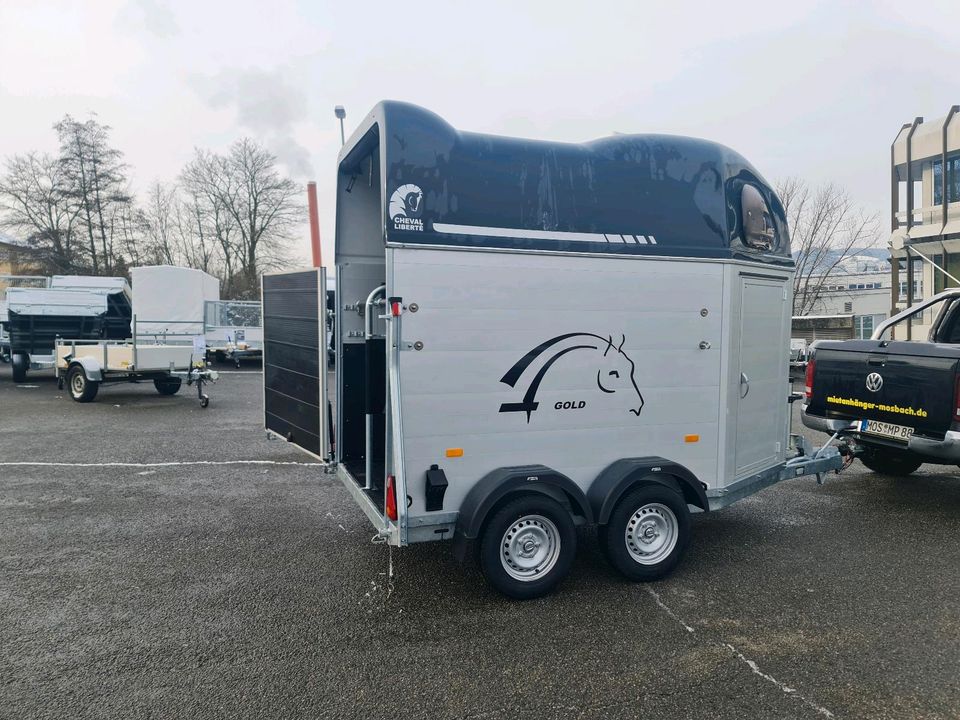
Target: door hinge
[784,294]
[778,447]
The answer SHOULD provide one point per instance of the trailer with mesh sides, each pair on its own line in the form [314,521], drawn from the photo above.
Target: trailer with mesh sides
[532,336]
[233,330]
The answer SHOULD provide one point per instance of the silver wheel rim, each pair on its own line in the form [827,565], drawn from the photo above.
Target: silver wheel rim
[651,533]
[77,383]
[530,548]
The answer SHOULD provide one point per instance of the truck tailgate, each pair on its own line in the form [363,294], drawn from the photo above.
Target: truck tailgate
[910,384]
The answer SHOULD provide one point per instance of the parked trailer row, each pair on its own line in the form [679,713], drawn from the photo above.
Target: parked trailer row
[532,336]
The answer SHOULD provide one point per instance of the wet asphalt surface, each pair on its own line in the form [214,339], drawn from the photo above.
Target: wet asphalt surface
[253,591]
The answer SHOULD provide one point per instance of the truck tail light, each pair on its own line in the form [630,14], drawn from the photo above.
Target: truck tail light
[956,400]
[811,367]
[390,499]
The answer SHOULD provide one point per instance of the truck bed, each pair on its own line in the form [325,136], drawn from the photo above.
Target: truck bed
[910,384]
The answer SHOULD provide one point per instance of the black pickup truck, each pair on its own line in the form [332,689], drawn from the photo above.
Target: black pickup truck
[897,402]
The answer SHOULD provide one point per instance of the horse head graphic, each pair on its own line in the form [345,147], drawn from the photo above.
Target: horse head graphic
[615,369]
[406,201]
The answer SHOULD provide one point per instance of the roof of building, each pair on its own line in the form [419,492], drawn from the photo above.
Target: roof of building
[6,239]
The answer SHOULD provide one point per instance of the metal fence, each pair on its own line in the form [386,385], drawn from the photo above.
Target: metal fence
[232,314]
[33,281]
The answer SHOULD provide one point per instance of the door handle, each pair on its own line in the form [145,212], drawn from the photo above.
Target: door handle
[744,385]
[877,362]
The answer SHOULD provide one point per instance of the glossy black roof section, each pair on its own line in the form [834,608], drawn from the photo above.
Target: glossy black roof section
[659,195]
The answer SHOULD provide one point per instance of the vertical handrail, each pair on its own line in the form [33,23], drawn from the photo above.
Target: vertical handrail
[367,336]
[396,421]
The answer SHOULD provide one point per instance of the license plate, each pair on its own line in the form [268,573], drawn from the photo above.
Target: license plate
[885,429]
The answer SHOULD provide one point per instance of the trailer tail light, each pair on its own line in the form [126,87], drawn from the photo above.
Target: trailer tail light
[808,390]
[390,499]
[956,400]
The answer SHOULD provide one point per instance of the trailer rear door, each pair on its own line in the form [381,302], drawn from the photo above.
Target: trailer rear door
[294,359]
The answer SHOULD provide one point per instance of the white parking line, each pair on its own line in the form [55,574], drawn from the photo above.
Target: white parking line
[187,463]
[783,687]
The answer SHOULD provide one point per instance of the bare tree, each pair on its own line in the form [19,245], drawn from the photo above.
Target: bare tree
[34,202]
[204,213]
[826,228]
[96,182]
[250,208]
[201,235]
[160,231]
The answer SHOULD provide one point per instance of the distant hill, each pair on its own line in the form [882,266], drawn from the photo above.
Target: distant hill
[858,261]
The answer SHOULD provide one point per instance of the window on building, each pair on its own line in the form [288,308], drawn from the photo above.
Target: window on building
[863,325]
[953,180]
[917,289]
[949,262]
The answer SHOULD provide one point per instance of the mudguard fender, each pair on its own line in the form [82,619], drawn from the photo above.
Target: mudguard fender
[618,477]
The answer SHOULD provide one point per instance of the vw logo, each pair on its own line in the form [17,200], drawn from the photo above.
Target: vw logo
[874,382]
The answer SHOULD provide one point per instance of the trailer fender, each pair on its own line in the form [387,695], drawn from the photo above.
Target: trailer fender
[501,483]
[90,367]
[620,476]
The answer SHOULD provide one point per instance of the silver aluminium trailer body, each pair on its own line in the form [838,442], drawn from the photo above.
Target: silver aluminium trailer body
[571,334]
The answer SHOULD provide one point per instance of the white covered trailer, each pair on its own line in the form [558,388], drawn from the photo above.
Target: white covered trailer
[170,300]
[532,336]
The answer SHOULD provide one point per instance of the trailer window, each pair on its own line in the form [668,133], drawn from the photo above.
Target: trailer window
[758,229]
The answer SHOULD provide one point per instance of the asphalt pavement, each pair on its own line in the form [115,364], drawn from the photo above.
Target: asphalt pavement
[148,571]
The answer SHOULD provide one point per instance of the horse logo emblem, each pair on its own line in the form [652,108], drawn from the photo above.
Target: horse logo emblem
[406,206]
[615,369]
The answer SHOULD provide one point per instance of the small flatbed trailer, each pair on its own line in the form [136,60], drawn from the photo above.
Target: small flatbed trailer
[534,336]
[84,365]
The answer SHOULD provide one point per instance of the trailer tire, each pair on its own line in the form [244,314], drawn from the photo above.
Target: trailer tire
[168,386]
[888,461]
[20,363]
[528,546]
[81,388]
[648,532]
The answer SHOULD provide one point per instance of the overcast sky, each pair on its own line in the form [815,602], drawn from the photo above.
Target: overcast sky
[814,89]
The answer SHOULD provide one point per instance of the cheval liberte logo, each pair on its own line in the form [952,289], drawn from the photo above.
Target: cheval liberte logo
[615,371]
[406,206]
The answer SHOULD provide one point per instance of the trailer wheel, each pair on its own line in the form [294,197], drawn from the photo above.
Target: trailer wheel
[168,386]
[20,363]
[888,461]
[82,389]
[648,532]
[527,547]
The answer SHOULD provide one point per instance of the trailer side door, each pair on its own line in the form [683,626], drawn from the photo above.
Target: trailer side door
[294,359]
[762,380]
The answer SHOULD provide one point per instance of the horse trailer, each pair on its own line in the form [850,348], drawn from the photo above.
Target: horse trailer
[535,336]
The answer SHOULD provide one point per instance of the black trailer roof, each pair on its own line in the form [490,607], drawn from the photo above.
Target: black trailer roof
[629,194]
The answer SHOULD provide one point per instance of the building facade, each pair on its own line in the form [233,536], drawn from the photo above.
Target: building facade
[860,286]
[15,257]
[925,210]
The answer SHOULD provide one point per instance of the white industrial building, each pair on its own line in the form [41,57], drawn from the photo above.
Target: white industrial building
[860,286]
